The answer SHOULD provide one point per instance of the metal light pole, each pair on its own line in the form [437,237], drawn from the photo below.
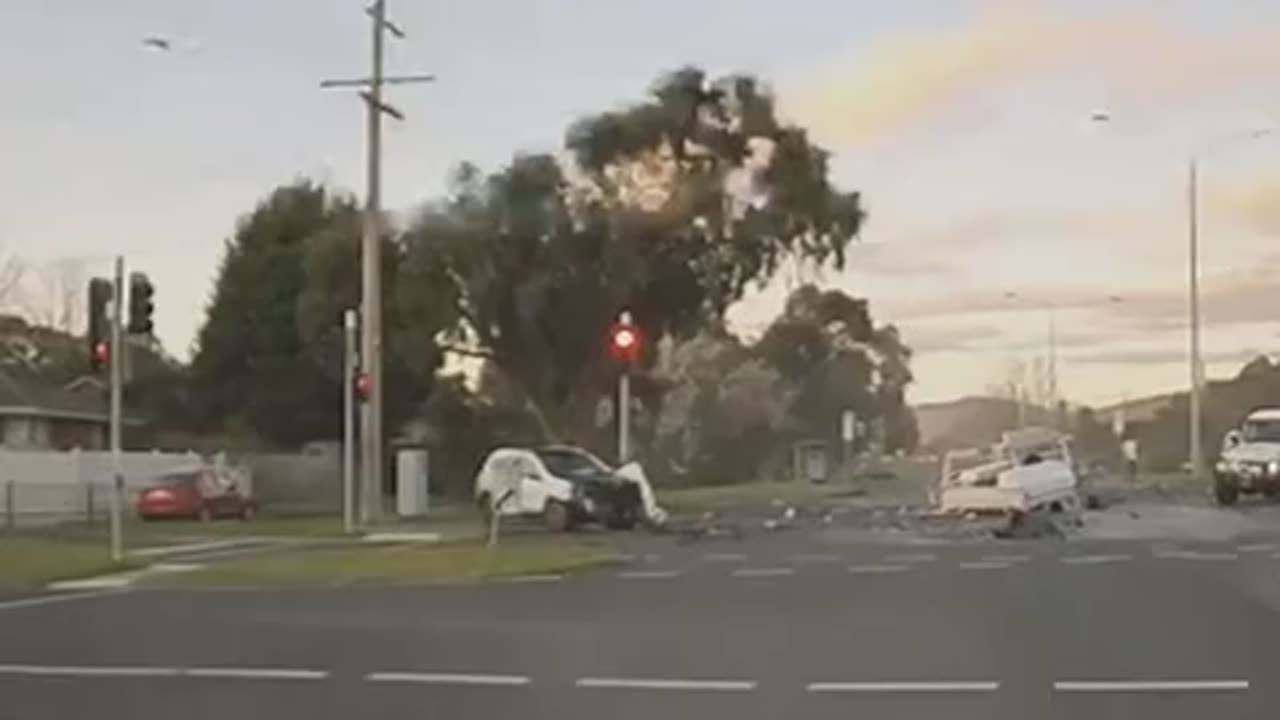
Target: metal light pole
[624,402]
[1195,361]
[371,346]
[116,359]
[1195,351]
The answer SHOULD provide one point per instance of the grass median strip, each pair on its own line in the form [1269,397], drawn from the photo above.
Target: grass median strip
[32,562]
[396,564]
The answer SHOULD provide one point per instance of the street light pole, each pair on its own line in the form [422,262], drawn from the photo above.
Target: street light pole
[371,346]
[1196,441]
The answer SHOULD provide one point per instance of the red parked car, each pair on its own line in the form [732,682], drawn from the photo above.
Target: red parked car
[199,494]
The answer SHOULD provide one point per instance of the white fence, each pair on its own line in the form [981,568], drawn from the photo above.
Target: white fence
[61,485]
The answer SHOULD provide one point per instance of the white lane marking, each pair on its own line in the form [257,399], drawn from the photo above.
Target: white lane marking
[911,558]
[115,581]
[901,687]
[1193,555]
[1094,559]
[447,678]
[232,673]
[401,537]
[665,684]
[1256,548]
[1005,558]
[876,569]
[174,567]
[815,558]
[535,578]
[87,671]
[1150,685]
[648,574]
[51,599]
[984,565]
[763,572]
[190,547]
[724,557]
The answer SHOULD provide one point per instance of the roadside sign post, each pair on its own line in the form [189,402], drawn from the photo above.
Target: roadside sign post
[349,322]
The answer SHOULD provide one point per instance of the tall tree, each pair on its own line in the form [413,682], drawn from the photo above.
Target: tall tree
[827,345]
[250,374]
[671,208]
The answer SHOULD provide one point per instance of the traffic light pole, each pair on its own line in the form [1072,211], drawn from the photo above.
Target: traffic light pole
[349,323]
[116,360]
[624,415]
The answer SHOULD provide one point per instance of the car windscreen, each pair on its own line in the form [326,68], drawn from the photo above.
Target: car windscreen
[1262,431]
[175,480]
[570,464]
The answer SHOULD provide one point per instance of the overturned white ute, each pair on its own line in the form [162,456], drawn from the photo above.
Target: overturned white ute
[1028,469]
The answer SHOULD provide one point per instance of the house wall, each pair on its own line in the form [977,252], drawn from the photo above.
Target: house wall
[26,433]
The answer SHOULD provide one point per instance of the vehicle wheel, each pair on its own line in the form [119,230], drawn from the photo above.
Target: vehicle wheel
[557,517]
[204,514]
[248,511]
[1226,493]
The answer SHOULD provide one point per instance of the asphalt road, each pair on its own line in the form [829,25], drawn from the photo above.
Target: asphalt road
[768,628]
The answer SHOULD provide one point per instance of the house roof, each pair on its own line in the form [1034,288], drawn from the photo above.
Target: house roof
[24,393]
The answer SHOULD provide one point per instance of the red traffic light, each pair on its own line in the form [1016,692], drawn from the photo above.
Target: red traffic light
[362,383]
[624,342]
[102,352]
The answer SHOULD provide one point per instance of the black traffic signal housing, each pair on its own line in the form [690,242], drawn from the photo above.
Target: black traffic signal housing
[624,342]
[361,384]
[99,330]
[141,306]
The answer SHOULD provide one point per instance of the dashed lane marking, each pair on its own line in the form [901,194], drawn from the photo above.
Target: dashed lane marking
[1256,548]
[1005,558]
[911,558]
[448,678]
[665,684]
[1094,559]
[227,673]
[1100,686]
[1193,555]
[902,687]
[763,572]
[648,574]
[534,578]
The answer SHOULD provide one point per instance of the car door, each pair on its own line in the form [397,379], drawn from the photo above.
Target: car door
[533,487]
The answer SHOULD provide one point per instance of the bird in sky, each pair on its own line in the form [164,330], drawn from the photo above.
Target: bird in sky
[157,43]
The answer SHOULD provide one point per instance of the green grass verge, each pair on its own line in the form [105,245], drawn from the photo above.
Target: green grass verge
[26,562]
[397,564]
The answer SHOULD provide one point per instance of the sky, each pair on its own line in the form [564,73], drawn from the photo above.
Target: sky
[996,206]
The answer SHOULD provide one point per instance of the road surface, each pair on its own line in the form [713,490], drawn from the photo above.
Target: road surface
[759,629]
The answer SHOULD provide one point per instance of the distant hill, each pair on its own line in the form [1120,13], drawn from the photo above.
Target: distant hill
[970,421]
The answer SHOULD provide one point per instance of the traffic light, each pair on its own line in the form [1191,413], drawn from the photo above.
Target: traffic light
[99,330]
[361,383]
[624,340]
[140,305]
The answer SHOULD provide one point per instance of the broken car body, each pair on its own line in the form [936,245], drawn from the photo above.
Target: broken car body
[1028,469]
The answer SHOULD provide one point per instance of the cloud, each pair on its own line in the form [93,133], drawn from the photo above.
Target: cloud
[1234,298]
[1255,206]
[1162,356]
[895,259]
[926,339]
[913,77]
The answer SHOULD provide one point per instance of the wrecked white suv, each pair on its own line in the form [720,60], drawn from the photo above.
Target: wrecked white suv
[1250,460]
[564,486]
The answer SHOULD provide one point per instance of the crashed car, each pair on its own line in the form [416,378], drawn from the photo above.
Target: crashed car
[1027,470]
[564,486]
[1250,460]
